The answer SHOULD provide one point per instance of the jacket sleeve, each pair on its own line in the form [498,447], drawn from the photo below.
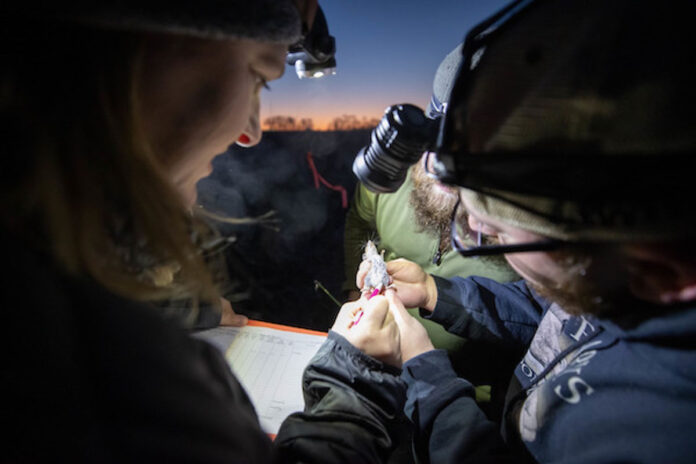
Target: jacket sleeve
[191,315]
[449,426]
[352,405]
[478,308]
[360,226]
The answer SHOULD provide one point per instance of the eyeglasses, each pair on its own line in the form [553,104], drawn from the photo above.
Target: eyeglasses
[459,232]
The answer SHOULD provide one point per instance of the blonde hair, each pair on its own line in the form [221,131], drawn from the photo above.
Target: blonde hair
[83,183]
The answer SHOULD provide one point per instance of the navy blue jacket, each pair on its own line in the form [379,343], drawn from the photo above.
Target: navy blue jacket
[587,390]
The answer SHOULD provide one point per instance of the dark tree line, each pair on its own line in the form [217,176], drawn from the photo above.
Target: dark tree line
[287,123]
[340,123]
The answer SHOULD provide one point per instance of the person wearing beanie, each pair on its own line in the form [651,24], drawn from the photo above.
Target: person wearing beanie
[570,137]
[414,223]
[111,113]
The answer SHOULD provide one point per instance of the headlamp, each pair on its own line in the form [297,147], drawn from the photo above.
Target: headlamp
[580,171]
[314,55]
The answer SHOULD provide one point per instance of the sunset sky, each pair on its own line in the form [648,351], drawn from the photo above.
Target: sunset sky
[387,53]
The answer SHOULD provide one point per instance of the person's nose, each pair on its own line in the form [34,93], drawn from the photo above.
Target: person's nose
[252,133]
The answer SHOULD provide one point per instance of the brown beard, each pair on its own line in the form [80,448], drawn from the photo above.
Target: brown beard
[432,207]
[596,285]
[433,210]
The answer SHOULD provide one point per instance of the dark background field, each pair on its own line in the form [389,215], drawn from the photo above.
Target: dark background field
[274,270]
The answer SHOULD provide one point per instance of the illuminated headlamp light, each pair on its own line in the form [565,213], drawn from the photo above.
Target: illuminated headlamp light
[307,70]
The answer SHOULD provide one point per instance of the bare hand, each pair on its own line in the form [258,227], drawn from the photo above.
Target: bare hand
[376,334]
[414,286]
[414,339]
[229,317]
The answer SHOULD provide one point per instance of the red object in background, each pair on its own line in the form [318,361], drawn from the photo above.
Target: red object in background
[318,178]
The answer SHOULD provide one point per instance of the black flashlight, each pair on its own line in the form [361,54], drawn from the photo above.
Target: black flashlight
[398,141]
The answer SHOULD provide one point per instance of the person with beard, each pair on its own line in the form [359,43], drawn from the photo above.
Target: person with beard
[573,150]
[414,223]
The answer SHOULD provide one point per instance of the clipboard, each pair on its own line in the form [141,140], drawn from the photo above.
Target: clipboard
[268,360]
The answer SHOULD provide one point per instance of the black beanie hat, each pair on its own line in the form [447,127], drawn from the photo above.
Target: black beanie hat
[263,20]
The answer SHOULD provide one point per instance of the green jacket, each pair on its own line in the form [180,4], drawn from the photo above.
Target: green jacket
[390,217]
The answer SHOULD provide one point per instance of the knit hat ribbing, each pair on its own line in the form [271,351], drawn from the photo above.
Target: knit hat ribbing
[263,20]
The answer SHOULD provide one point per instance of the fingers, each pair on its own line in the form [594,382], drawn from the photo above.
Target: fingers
[404,269]
[236,320]
[396,307]
[396,265]
[345,316]
[368,315]
[413,337]
[376,311]
[362,272]
[372,330]
[229,317]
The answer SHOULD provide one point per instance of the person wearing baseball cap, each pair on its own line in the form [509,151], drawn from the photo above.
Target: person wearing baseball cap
[570,135]
[414,223]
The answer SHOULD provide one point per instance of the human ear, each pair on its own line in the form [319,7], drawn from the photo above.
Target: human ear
[661,275]
[252,132]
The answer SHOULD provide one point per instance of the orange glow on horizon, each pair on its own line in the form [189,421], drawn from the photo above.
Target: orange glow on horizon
[318,123]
